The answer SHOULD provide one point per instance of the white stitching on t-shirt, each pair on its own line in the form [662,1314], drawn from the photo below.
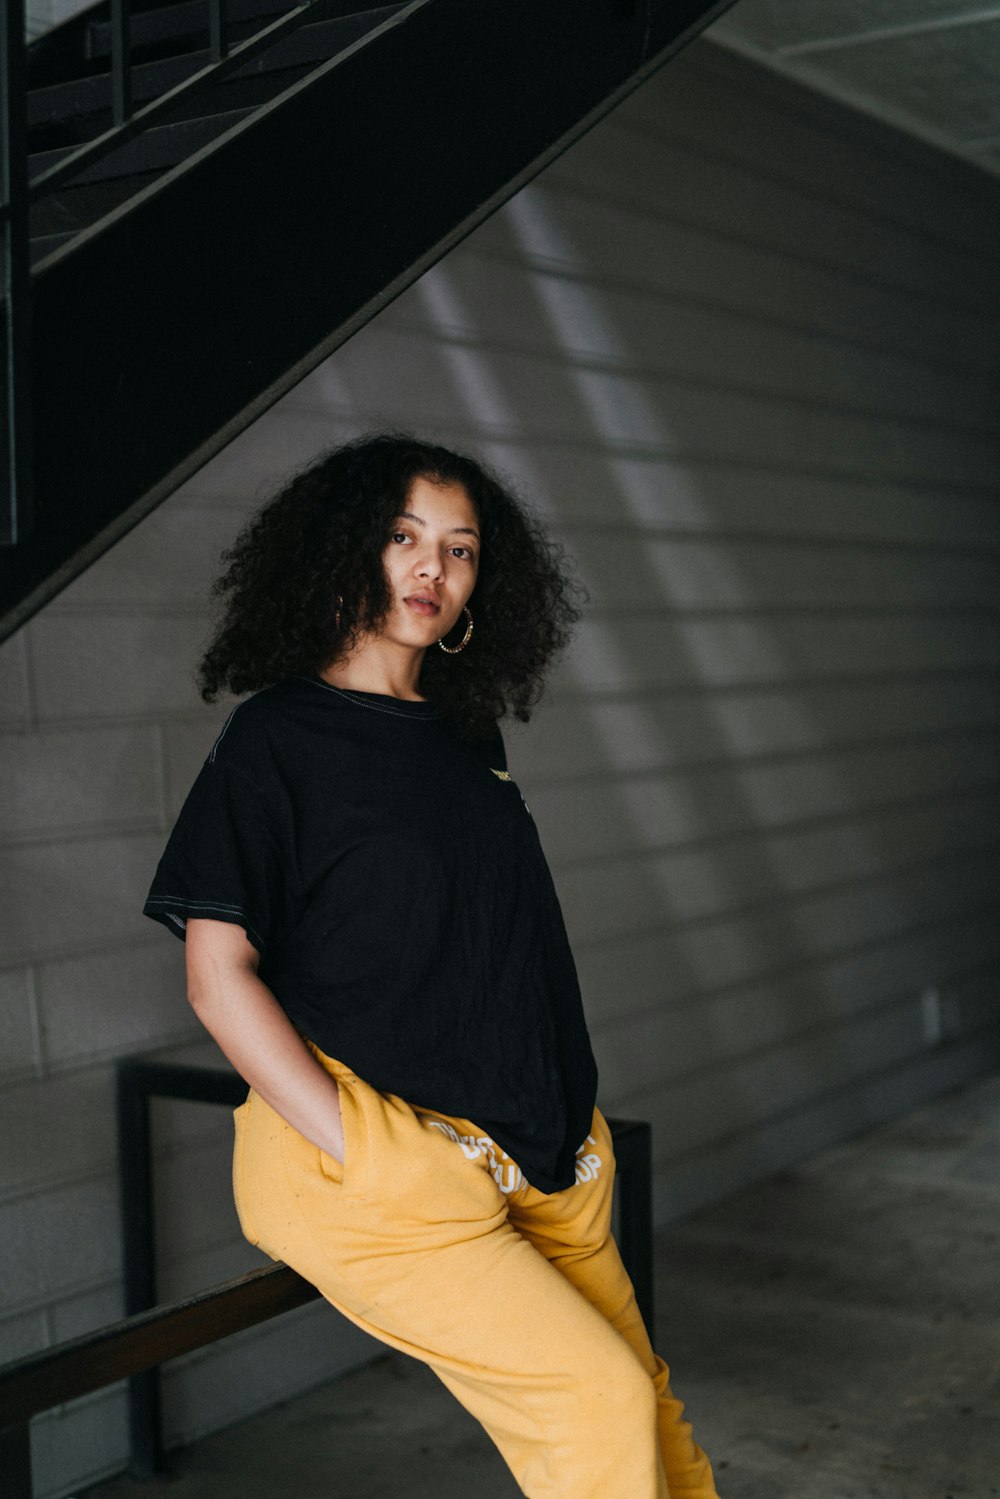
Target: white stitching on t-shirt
[182,900]
[205,905]
[360,702]
[225,729]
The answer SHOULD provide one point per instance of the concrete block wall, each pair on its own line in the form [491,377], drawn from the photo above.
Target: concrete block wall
[741,347]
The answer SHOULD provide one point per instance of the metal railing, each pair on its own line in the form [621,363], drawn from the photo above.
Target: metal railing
[18,193]
[126,1349]
[129,122]
[135,1348]
[16,514]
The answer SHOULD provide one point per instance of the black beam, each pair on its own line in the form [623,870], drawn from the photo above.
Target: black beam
[138,1081]
[218,30]
[140,1076]
[121,61]
[94,1360]
[136,1208]
[634,1153]
[198,305]
[16,478]
[15,1460]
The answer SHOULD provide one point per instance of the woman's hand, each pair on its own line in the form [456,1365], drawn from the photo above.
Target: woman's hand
[238,1009]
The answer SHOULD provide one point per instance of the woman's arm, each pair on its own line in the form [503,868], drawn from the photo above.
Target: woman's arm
[240,1012]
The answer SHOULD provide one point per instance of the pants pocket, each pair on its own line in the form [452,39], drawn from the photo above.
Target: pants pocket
[342,1173]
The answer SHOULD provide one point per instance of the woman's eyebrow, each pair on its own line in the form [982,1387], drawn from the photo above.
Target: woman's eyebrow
[419,520]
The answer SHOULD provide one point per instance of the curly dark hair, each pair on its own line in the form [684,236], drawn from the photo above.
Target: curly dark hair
[305,578]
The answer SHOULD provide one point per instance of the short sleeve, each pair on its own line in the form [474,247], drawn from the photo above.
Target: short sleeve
[225,858]
[498,752]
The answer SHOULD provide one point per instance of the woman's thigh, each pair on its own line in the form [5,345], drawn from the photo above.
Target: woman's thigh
[408,1224]
[572,1230]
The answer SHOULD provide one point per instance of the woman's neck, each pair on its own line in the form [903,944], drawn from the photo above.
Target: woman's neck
[377,666]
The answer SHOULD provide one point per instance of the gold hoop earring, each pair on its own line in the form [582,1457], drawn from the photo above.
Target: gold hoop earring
[453,650]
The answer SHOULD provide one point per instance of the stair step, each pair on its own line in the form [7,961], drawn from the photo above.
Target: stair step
[171,23]
[69,113]
[68,210]
[157,149]
[46,244]
[80,45]
[61,53]
[189,19]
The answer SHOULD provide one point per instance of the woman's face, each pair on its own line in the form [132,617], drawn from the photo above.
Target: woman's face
[431,561]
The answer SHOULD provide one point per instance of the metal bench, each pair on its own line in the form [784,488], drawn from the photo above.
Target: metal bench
[150,1335]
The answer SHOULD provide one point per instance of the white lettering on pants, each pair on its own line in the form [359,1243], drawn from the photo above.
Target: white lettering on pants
[506,1172]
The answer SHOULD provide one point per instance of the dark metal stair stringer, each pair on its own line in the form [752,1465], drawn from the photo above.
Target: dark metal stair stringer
[169,326]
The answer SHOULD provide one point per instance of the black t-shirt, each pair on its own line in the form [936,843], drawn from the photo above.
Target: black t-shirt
[391,877]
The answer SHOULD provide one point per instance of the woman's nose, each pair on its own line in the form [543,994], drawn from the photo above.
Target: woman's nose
[429,564]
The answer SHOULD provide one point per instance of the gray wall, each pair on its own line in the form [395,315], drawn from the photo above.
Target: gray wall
[742,348]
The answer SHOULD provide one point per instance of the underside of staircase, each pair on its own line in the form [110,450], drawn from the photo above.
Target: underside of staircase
[189,275]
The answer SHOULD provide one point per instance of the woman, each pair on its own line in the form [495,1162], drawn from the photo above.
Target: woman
[374,940]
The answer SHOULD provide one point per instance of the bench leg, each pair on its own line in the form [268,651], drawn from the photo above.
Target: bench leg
[15,1461]
[634,1154]
[139,1262]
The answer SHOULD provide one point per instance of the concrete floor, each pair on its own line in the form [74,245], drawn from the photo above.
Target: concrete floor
[835,1332]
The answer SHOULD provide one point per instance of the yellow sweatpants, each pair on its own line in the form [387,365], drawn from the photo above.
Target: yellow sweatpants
[430,1239]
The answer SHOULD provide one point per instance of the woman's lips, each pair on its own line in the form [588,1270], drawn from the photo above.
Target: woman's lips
[422,606]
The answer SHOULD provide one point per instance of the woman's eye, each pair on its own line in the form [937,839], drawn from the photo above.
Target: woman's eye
[399,536]
[466,553]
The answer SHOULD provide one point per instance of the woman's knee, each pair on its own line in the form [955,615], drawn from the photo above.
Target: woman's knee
[616,1400]
[610,1447]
